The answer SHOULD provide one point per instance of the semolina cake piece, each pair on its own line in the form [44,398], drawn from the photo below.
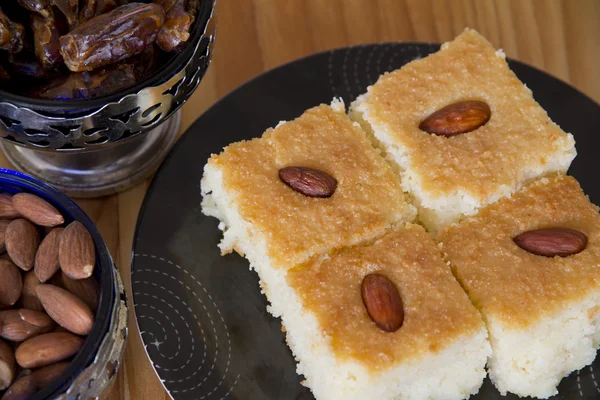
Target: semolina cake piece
[542,312]
[451,175]
[439,351]
[274,226]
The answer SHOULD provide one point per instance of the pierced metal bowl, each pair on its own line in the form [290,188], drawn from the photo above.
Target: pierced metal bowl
[50,139]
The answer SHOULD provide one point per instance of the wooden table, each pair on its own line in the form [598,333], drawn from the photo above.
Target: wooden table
[560,37]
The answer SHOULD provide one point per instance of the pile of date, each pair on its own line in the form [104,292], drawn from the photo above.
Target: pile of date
[78,49]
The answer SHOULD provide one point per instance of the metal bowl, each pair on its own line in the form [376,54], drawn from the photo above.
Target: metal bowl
[30,126]
[84,124]
[92,371]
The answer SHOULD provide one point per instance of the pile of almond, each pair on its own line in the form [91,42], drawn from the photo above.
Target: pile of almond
[48,296]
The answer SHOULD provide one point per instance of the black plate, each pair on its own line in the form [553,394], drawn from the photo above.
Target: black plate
[202,317]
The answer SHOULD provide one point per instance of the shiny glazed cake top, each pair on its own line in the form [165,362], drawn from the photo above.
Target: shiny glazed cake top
[437,311]
[368,198]
[512,285]
[517,142]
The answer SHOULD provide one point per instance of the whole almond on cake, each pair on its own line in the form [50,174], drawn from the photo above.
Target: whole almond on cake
[552,242]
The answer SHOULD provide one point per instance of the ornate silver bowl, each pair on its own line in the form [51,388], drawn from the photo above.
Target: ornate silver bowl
[99,146]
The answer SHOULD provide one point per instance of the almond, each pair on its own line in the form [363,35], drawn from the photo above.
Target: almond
[56,280]
[37,210]
[310,182]
[46,258]
[3,225]
[87,290]
[76,251]
[8,366]
[47,349]
[457,118]
[29,297]
[27,385]
[46,375]
[7,209]
[36,318]
[66,309]
[11,283]
[383,302]
[22,389]
[22,324]
[551,242]
[59,329]
[22,242]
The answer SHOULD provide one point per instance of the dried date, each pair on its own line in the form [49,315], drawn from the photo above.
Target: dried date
[11,34]
[27,65]
[84,85]
[4,76]
[108,45]
[165,4]
[93,8]
[145,63]
[192,7]
[70,9]
[112,37]
[47,46]
[36,6]
[176,29]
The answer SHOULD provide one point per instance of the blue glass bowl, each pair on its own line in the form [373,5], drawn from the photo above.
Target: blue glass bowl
[16,182]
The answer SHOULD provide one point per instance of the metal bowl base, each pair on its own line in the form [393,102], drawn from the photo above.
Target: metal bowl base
[99,172]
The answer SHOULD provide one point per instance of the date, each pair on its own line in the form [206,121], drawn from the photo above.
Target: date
[146,63]
[4,76]
[70,9]
[176,29]
[36,6]
[192,7]
[93,8]
[112,37]
[12,34]
[47,46]
[85,85]
[165,4]
[27,65]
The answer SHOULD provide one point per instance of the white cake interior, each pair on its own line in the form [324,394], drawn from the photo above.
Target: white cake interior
[533,361]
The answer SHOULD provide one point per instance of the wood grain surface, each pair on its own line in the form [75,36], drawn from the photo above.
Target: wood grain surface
[559,37]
